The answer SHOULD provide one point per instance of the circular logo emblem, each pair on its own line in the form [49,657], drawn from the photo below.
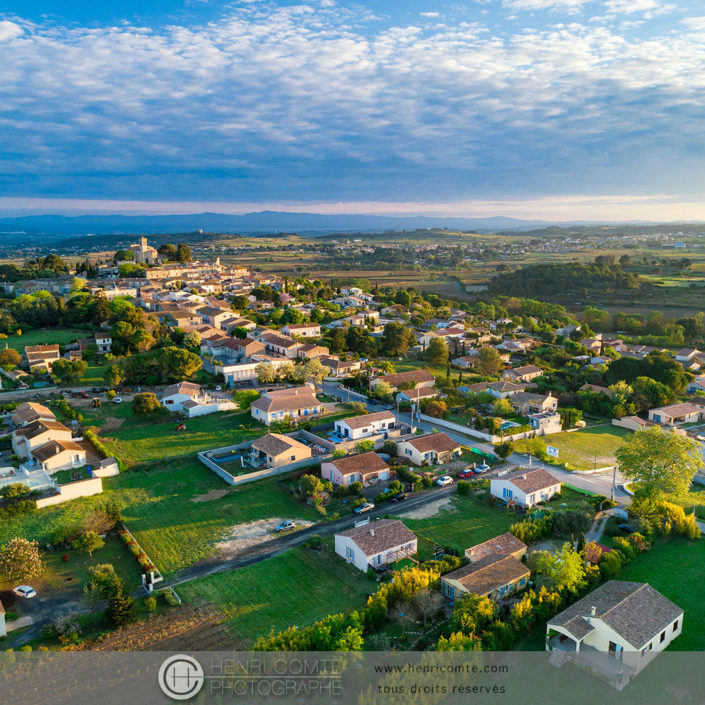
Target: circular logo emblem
[180,677]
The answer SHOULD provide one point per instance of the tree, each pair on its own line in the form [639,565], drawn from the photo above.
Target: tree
[124,256]
[192,340]
[68,371]
[183,253]
[426,603]
[504,450]
[383,390]
[315,371]
[310,485]
[77,284]
[20,560]
[121,608]
[562,571]
[488,362]
[167,251]
[9,357]
[177,364]
[113,375]
[88,542]
[147,404]
[396,339]
[437,352]
[266,373]
[659,462]
[364,446]
[502,407]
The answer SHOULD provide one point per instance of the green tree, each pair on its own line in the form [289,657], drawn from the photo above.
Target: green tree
[266,373]
[659,462]
[310,485]
[103,582]
[114,375]
[488,362]
[20,560]
[183,252]
[502,407]
[9,357]
[396,339]
[563,571]
[364,446]
[121,609]
[437,352]
[147,404]
[88,542]
[68,371]
[177,364]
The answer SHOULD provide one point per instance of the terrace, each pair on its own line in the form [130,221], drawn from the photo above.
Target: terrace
[33,477]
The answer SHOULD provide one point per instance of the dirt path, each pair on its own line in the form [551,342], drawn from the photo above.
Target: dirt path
[431,509]
[210,496]
[242,536]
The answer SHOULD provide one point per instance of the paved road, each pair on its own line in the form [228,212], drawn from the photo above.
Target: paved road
[278,545]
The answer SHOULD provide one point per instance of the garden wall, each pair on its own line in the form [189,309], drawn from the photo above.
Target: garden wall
[480,435]
[72,490]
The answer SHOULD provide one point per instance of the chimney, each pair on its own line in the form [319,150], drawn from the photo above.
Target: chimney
[593,611]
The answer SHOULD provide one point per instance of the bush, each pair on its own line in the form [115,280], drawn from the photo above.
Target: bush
[150,603]
[147,404]
[315,541]
[463,487]
[531,530]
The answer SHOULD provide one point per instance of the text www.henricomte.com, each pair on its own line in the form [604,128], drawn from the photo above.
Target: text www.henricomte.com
[441,668]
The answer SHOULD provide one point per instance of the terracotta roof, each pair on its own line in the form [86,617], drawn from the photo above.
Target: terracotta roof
[36,428]
[188,388]
[440,442]
[31,411]
[49,450]
[416,376]
[420,393]
[380,535]
[488,574]
[678,409]
[364,463]
[363,420]
[525,370]
[504,386]
[275,444]
[635,611]
[531,480]
[287,399]
[503,545]
[279,340]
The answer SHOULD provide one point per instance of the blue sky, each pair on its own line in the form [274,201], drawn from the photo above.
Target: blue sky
[532,108]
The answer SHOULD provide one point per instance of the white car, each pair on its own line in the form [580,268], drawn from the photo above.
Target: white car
[287,525]
[219,388]
[25,591]
[444,480]
[366,507]
[117,400]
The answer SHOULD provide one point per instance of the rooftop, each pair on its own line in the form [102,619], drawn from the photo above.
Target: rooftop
[380,535]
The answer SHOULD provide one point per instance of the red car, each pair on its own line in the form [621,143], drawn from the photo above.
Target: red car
[463,474]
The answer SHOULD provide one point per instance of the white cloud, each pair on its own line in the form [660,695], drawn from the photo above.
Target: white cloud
[9,30]
[569,5]
[430,14]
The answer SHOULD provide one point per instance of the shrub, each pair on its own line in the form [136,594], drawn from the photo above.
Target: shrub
[463,487]
[315,541]
[150,603]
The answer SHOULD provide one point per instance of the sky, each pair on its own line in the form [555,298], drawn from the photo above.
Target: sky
[552,109]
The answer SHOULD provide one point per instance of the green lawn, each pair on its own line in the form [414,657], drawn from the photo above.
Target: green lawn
[157,507]
[94,375]
[297,587]
[466,523]
[676,568]
[44,336]
[136,440]
[584,449]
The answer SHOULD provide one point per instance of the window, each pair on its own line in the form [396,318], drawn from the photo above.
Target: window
[349,553]
[675,626]
[663,637]
[506,493]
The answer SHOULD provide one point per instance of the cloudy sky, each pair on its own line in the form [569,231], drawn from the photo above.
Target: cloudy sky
[533,108]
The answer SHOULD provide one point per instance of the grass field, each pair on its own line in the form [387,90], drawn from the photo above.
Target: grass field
[674,567]
[135,440]
[43,336]
[158,506]
[464,523]
[298,587]
[585,449]
[94,375]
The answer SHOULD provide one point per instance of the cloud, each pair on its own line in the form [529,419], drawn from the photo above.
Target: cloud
[430,14]
[312,103]
[9,30]
[569,5]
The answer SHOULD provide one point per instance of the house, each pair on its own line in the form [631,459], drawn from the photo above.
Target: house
[675,414]
[367,468]
[104,342]
[280,344]
[465,362]
[502,389]
[214,316]
[495,576]
[431,449]
[446,335]
[525,403]
[144,253]
[304,330]
[340,368]
[596,389]
[290,404]
[504,545]
[629,622]
[525,487]
[545,422]
[378,543]
[697,385]
[525,373]
[280,450]
[357,427]
[59,455]
[41,357]
[417,378]
[31,411]
[28,438]
[686,355]
[414,396]
[310,351]
[174,396]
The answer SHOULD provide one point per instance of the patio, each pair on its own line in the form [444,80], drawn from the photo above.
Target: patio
[33,477]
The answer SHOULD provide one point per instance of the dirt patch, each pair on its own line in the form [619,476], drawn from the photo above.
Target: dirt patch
[210,496]
[431,509]
[242,536]
[112,423]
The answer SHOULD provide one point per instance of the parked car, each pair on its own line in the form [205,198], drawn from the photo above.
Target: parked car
[481,468]
[366,507]
[464,474]
[626,528]
[287,525]
[399,497]
[83,395]
[218,388]
[25,591]
[444,480]
[117,400]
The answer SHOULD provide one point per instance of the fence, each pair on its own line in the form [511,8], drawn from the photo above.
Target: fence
[480,435]
[72,490]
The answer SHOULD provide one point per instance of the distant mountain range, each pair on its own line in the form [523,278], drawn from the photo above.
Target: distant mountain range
[262,222]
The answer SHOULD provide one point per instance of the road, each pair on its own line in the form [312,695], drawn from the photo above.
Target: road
[597,482]
[280,544]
